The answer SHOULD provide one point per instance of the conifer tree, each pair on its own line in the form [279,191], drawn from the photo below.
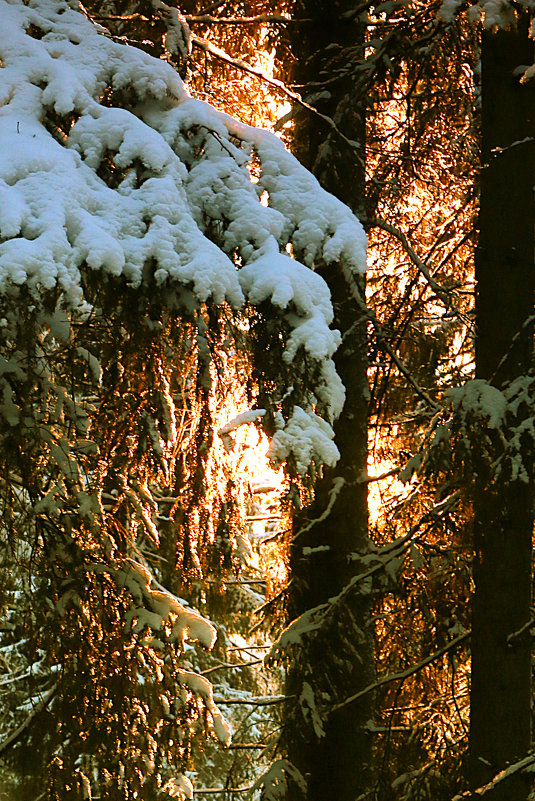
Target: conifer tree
[140,275]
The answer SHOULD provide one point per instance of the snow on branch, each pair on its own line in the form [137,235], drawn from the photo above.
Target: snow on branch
[15,735]
[241,419]
[481,434]
[527,764]
[110,170]
[493,13]
[405,674]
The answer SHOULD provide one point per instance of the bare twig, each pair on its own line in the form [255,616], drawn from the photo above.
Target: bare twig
[209,19]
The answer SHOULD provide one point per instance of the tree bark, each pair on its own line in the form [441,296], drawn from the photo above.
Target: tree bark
[339,659]
[503,511]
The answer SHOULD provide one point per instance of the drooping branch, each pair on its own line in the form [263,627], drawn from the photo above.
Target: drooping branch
[384,343]
[416,260]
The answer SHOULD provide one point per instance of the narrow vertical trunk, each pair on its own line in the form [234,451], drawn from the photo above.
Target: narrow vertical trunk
[339,659]
[501,669]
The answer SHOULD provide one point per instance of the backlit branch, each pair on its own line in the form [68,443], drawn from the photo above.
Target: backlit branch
[209,19]
[383,341]
[238,63]
[405,674]
[416,260]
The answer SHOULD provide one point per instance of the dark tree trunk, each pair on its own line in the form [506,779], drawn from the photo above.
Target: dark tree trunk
[338,660]
[501,670]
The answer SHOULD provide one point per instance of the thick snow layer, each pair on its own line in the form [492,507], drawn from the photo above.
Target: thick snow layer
[108,165]
[305,436]
[494,13]
[179,787]
[57,214]
[201,687]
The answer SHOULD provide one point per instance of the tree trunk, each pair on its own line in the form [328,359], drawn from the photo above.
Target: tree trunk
[339,659]
[501,670]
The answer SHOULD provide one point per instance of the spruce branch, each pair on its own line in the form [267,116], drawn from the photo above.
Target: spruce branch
[382,340]
[238,63]
[209,19]
[15,735]
[443,294]
[404,674]
[268,700]
[525,764]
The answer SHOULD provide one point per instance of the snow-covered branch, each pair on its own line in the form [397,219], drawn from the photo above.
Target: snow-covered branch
[15,735]
[404,674]
[526,764]
[268,700]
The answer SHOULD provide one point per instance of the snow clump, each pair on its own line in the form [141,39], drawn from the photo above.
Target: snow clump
[109,167]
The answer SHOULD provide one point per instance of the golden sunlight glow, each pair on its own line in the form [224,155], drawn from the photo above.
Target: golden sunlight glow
[244,453]
[385,491]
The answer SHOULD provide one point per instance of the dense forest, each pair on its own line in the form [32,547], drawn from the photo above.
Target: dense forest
[267,400]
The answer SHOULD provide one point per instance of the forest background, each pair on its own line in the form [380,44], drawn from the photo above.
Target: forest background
[372,603]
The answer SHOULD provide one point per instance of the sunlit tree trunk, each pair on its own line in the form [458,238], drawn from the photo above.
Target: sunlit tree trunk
[505,273]
[339,659]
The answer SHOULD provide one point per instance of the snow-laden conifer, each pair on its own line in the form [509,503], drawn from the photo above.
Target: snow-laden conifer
[152,252]
[108,165]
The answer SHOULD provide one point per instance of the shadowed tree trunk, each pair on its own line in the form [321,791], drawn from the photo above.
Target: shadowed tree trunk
[501,669]
[337,660]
